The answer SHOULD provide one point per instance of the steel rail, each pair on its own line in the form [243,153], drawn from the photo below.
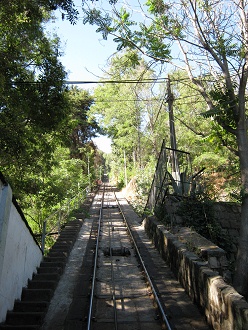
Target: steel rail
[112,270]
[95,263]
[160,306]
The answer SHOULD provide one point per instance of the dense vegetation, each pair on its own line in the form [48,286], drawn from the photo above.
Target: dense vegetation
[137,96]
[46,152]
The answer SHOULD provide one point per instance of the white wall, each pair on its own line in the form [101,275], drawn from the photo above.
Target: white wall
[19,253]
[1,187]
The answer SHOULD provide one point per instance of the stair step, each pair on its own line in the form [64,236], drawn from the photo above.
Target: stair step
[34,284]
[67,236]
[59,254]
[30,311]
[19,327]
[37,294]
[55,259]
[46,277]
[72,226]
[30,306]
[61,248]
[46,264]
[65,241]
[70,229]
[49,270]
[68,232]
[24,318]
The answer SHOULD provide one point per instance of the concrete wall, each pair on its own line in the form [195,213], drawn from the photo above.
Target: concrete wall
[19,253]
[1,187]
[199,273]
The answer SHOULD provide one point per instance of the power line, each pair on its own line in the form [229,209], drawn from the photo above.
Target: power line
[124,81]
[130,81]
[80,82]
[128,100]
[161,99]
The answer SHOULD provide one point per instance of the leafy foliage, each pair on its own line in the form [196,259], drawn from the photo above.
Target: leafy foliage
[224,112]
[84,127]
[128,113]
[33,101]
[124,34]
[45,132]
[49,190]
[157,7]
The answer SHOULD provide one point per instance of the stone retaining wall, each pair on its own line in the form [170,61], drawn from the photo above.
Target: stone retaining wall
[199,274]
[227,215]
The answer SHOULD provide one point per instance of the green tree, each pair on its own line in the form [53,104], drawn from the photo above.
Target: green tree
[33,102]
[38,114]
[127,109]
[49,190]
[85,126]
[212,42]
[210,146]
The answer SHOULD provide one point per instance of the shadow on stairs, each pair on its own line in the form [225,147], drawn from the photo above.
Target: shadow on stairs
[29,312]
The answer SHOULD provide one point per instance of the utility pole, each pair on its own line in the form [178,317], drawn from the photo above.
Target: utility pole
[170,100]
[175,165]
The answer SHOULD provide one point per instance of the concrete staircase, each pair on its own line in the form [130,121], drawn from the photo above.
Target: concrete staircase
[29,312]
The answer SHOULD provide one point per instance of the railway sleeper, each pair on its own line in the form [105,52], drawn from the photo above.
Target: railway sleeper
[120,251]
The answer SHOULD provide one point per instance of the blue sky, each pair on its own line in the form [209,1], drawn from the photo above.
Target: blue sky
[84,49]
[85,53]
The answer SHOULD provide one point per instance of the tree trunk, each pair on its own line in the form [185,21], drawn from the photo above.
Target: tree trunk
[241,272]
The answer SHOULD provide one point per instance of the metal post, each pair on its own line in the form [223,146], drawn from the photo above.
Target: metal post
[69,208]
[89,173]
[170,100]
[59,220]
[125,168]
[43,238]
[79,197]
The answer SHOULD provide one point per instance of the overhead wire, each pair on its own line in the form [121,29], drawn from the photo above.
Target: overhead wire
[128,100]
[135,81]
[80,82]
[118,81]
[148,100]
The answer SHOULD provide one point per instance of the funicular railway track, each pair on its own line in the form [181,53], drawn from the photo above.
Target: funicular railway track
[122,295]
[113,278]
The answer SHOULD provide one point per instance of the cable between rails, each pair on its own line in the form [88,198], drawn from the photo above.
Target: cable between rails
[161,309]
[112,272]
